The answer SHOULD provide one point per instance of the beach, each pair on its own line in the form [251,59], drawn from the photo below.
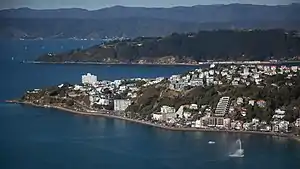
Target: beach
[106,115]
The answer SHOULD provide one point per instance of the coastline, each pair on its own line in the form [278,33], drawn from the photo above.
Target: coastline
[152,124]
[170,64]
[103,63]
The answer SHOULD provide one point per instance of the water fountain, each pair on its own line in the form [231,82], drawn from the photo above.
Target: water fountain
[239,152]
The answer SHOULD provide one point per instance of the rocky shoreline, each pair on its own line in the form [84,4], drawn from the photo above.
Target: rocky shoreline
[103,114]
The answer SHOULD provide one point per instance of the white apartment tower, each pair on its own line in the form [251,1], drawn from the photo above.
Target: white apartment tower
[88,79]
[121,105]
[222,106]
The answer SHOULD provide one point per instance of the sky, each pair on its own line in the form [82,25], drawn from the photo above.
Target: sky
[97,4]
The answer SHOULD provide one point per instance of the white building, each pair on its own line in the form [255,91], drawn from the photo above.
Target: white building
[209,80]
[121,105]
[239,101]
[194,106]
[157,116]
[104,102]
[222,106]
[227,122]
[297,122]
[279,114]
[180,111]
[167,109]
[118,82]
[187,114]
[198,124]
[89,79]
[251,102]
[168,113]
[246,71]
[294,68]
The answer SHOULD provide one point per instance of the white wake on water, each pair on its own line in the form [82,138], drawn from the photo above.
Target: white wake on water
[239,152]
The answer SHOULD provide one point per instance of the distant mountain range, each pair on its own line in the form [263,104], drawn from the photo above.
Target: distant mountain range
[138,21]
[222,45]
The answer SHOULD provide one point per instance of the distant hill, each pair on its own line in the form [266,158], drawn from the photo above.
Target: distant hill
[138,21]
[204,45]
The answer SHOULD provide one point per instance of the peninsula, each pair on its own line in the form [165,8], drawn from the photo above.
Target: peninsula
[223,46]
[230,98]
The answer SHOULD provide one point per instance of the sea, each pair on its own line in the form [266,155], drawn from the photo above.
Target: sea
[38,138]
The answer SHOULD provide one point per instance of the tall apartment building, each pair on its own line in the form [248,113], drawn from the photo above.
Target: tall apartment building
[88,79]
[222,106]
[121,105]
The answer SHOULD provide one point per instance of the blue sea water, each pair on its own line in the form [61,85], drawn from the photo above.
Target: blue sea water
[35,138]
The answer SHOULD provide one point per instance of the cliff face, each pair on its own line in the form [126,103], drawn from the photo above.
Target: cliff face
[204,45]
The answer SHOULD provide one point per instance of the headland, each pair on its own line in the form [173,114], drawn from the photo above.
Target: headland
[203,47]
[254,99]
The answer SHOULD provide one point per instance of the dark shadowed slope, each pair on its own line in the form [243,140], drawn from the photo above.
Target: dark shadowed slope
[217,45]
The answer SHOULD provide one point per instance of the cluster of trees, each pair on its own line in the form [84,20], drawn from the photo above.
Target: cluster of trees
[204,45]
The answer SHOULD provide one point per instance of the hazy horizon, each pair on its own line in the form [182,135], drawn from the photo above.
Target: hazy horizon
[94,5]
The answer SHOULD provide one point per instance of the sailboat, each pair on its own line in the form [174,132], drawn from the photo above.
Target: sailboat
[239,152]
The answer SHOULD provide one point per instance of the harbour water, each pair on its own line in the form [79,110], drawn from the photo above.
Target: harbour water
[34,138]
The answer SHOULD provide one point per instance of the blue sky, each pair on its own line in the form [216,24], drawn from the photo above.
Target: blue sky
[97,4]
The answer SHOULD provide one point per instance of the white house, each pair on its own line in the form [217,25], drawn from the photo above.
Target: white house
[284,125]
[279,114]
[251,102]
[198,124]
[180,111]
[104,102]
[194,106]
[168,113]
[187,114]
[239,100]
[167,109]
[227,123]
[157,116]
[297,122]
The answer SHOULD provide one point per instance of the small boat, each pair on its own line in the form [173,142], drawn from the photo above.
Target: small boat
[211,142]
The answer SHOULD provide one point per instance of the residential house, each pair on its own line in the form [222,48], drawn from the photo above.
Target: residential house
[211,122]
[220,122]
[261,103]
[251,102]
[279,114]
[235,83]
[187,114]
[297,122]
[194,106]
[179,112]
[239,100]
[157,116]
[227,123]
[168,112]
